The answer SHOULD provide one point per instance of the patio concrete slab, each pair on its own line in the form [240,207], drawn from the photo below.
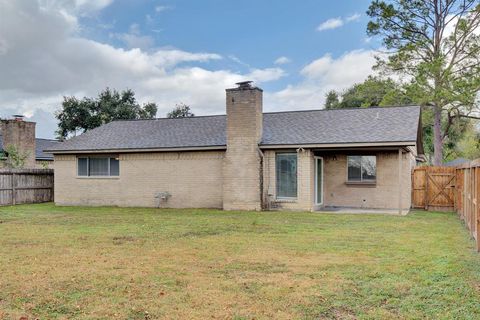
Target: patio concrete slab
[341,210]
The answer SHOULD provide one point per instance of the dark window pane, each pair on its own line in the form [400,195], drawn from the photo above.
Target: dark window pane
[319,181]
[98,166]
[286,173]
[114,167]
[369,168]
[354,168]
[82,167]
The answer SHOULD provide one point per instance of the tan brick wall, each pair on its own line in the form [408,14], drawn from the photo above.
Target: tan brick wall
[194,179]
[384,195]
[305,182]
[241,180]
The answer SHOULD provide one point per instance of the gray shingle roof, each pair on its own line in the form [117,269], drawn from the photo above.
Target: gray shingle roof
[44,144]
[392,124]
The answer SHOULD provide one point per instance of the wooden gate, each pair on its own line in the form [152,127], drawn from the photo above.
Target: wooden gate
[433,188]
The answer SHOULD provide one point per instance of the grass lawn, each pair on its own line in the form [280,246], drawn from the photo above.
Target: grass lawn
[112,263]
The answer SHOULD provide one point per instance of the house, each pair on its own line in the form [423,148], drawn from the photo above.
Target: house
[246,159]
[456,162]
[21,134]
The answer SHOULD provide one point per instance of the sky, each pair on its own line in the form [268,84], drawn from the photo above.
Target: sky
[178,51]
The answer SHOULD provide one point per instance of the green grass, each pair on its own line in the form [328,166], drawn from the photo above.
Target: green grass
[131,263]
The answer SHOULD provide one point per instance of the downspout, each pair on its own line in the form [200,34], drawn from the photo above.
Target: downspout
[400,181]
[262,171]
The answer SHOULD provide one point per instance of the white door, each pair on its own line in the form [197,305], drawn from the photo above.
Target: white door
[318,180]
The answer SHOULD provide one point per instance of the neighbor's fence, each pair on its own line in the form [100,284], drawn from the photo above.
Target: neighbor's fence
[19,186]
[468,196]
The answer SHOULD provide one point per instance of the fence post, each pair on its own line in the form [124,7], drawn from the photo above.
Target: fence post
[14,191]
[477,206]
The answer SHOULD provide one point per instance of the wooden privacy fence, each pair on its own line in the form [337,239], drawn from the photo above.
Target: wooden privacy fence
[468,197]
[19,186]
[433,188]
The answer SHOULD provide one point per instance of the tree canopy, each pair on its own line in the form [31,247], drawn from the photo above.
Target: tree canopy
[436,45]
[88,113]
[374,91]
[181,110]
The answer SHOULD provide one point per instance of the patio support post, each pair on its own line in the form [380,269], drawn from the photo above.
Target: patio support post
[400,181]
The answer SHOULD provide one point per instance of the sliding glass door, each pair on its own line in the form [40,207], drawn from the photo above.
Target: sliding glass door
[318,180]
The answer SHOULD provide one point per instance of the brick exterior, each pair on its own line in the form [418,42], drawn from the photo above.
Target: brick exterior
[384,195]
[240,178]
[194,179]
[242,167]
[20,134]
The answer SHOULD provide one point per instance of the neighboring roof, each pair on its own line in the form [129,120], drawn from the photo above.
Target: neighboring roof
[40,146]
[44,144]
[365,125]
[456,162]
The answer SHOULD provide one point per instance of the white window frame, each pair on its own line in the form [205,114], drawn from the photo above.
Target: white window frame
[319,203]
[109,176]
[361,179]
[276,181]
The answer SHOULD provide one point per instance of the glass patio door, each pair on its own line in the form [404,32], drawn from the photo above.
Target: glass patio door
[318,180]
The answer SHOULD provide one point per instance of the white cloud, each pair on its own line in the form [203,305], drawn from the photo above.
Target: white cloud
[330,24]
[265,75]
[91,5]
[134,39]
[282,60]
[159,9]
[42,58]
[353,17]
[320,76]
[338,22]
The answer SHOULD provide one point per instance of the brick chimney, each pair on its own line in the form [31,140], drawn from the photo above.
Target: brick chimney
[242,167]
[20,134]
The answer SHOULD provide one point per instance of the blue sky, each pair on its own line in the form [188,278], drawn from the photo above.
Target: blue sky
[178,51]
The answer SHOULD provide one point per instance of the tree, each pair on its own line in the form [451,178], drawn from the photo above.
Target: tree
[374,91]
[331,100]
[435,43]
[15,158]
[181,110]
[468,146]
[89,113]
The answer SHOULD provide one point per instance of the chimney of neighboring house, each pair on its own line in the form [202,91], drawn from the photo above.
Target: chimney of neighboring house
[20,134]
[242,167]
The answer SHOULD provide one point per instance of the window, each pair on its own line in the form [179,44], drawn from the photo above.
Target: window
[362,168]
[286,174]
[98,166]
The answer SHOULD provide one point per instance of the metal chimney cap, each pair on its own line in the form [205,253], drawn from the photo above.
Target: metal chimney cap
[18,117]
[244,85]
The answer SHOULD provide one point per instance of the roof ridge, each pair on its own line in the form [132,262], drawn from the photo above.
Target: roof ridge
[274,112]
[352,108]
[205,116]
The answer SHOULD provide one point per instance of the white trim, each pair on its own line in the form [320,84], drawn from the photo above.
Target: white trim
[317,203]
[361,181]
[88,176]
[340,145]
[290,199]
[223,148]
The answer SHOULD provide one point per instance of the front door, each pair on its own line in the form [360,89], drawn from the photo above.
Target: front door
[318,181]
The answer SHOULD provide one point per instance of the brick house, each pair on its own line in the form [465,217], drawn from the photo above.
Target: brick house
[21,134]
[246,159]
